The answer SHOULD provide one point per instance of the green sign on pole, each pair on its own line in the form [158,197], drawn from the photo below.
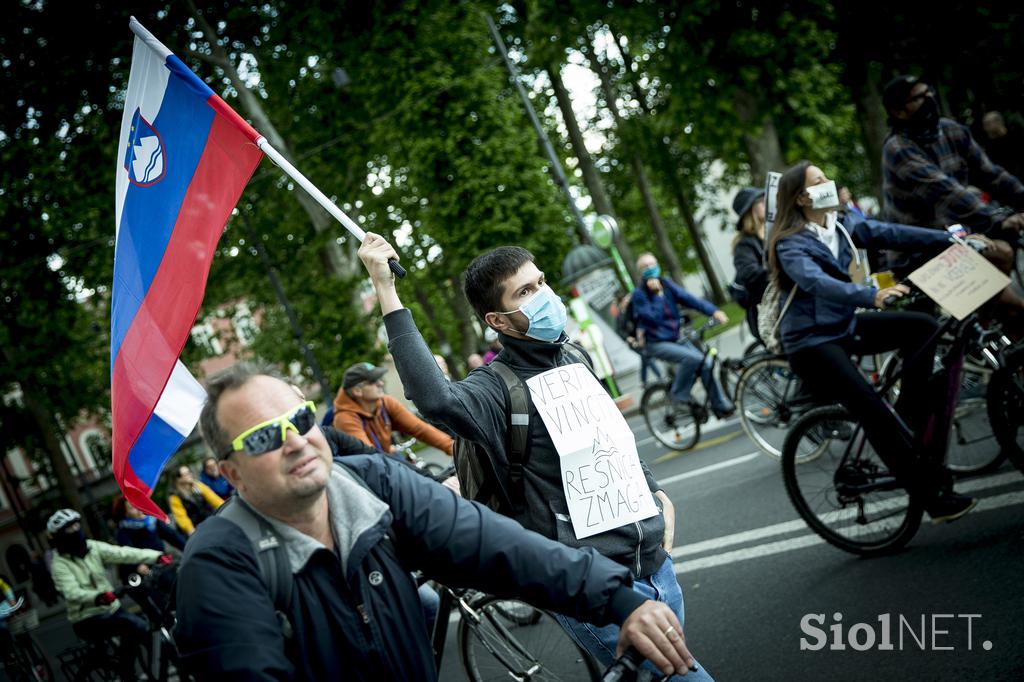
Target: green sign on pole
[603,230]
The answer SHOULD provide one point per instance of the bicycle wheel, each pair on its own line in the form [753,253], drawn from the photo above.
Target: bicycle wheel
[518,612]
[673,424]
[845,492]
[1005,402]
[494,647]
[973,447]
[763,397]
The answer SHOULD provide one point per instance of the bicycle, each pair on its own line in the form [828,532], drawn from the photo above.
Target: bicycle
[502,639]
[733,368]
[404,450]
[674,424]
[26,660]
[974,446]
[101,660]
[1005,401]
[841,487]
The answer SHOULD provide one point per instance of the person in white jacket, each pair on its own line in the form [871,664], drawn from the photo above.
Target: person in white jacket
[79,573]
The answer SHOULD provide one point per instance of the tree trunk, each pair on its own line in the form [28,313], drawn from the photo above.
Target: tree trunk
[334,257]
[591,176]
[763,146]
[667,252]
[435,326]
[470,339]
[44,422]
[864,86]
[682,201]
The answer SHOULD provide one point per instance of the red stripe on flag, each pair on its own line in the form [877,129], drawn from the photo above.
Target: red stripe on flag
[137,492]
[221,107]
[163,322]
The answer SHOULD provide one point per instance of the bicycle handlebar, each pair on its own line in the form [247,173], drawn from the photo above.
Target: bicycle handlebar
[976,244]
[627,667]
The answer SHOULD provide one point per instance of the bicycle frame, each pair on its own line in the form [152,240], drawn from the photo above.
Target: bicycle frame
[451,598]
[940,419]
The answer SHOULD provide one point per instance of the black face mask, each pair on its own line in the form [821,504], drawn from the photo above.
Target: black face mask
[71,544]
[926,118]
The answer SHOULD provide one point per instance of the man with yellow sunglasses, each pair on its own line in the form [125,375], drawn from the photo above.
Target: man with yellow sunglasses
[354,528]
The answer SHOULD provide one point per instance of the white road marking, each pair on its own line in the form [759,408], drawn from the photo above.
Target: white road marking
[708,469]
[799,542]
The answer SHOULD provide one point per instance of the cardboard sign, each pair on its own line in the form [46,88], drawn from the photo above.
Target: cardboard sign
[960,280]
[771,190]
[602,479]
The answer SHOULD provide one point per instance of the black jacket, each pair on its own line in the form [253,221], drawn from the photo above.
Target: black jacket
[227,629]
[748,259]
[474,408]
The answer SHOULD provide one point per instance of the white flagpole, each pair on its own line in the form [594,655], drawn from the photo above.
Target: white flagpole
[320,197]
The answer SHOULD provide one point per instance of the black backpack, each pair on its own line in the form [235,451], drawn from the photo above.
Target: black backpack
[270,553]
[474,467]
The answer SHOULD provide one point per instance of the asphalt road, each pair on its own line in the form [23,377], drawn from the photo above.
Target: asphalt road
[751,572]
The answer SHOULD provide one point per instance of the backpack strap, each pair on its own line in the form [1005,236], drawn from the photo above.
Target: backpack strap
[518,427]
[270,553]
[578,354]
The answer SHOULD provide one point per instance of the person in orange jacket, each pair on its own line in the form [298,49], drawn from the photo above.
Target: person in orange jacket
[363,410]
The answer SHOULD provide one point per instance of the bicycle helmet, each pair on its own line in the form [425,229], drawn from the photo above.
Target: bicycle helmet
[61,518]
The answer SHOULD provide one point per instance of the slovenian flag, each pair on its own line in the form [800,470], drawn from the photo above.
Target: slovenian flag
[183,159]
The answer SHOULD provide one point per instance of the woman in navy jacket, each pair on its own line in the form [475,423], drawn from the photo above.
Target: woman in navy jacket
[811,250]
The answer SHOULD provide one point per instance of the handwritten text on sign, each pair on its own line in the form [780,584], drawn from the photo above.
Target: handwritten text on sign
[960,280]
[603,481]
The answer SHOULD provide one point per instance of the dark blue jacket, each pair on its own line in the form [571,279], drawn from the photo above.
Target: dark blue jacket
[218,485]
[658,315]
[148,533]
[826,300]
[362,620]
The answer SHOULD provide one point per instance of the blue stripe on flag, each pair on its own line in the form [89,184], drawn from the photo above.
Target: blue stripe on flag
[156,444]
[150,213]
[194,82]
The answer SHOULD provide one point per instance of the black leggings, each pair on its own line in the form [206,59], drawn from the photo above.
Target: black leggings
[831,376]
[132,630]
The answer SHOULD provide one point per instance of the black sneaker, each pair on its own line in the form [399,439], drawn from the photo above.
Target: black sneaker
[724,414]
[950,507]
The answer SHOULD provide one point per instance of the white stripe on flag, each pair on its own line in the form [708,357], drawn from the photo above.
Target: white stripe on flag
[181,401]
[146,86]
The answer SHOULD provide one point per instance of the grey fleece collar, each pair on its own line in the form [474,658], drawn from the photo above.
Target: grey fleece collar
[353,510]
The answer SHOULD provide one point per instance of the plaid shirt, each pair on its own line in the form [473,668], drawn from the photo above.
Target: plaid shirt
[925,181]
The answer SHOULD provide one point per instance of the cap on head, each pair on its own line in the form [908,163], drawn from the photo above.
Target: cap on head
[897,92]
[60,519]
[360,372]
[745,200]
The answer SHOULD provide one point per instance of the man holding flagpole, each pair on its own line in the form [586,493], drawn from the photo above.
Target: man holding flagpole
[183,159]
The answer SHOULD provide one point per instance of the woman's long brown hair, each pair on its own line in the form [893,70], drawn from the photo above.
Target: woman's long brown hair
[789,218]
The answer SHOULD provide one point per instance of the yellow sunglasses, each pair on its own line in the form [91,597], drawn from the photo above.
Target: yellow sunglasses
[270,435]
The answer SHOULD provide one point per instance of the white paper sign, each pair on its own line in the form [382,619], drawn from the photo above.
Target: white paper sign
[771,190]
[603,481]
[960,280]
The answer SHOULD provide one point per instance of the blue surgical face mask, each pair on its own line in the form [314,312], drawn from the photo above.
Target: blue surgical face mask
[652,272]
[546,314]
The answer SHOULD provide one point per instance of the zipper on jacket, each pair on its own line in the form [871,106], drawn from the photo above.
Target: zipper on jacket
[362,612]
[639,544]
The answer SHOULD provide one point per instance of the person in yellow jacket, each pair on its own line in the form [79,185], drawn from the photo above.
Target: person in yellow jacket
[191,501]
[363,410]
[80,575]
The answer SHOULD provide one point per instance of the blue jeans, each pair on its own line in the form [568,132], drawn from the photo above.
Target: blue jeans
[686,355]
[648,363]
[430,600]
[601,642]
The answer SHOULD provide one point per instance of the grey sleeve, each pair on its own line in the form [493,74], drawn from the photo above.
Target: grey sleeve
[473,408]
